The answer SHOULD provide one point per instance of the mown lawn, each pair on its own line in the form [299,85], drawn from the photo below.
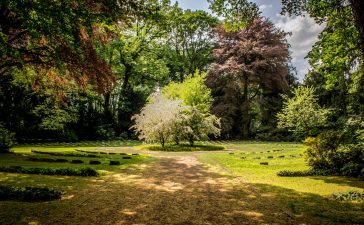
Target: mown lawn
[71,186]
[309,197]
[303,195]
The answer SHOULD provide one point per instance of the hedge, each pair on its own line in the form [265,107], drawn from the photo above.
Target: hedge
[67,154]
[28,193]
[84,172]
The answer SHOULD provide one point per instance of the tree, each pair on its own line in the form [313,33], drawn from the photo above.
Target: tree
[301,113]
[188,41]
[321,10]
[336,65]
[196,122]
[237,14]
[249,61]
[157,118]
[60,35]
[192,91]
[198,126]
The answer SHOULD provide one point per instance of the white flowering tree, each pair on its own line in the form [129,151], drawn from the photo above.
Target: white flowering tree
[158,118]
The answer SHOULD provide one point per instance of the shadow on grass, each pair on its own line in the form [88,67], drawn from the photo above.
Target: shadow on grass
[181,191]
[344,181]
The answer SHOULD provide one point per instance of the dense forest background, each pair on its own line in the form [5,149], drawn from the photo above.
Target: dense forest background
[79,70]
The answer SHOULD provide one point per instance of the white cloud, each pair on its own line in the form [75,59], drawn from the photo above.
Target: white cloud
[265,7]
[304,34]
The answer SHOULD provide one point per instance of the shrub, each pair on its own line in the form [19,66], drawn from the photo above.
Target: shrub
[28,194]
[361,176]
[7,139]
[76,161]
[126,157]
[322,151]
[270,157]
[264,163]
[95,162]
[349,196]
[123,154]
[304,173]
[114,163]
[66,154]
[49,171]
[47,160]
[351,169]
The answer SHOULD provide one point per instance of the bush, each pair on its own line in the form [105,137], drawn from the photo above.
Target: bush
[66,154]
[322,151]
[126,157]
[305,173]
[7,139]
[49,171]
[28,194]
[48,160]
[76,161]
[264,163]
[351,169]
[94,162]
[105,132]
[114,163]
[349,196]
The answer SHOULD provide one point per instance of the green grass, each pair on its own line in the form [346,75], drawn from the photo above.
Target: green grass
[306,196]
[310,196]
[253,172]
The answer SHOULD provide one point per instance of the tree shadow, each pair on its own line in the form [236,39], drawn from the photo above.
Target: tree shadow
[179,190]
[344,181]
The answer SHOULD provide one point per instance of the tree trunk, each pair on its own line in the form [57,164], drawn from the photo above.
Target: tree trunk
[357,6]
[245,112]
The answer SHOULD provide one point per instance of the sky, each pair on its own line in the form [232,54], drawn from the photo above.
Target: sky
[304,29]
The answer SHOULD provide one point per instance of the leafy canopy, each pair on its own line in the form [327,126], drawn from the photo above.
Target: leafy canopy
[302,113]
[192,92]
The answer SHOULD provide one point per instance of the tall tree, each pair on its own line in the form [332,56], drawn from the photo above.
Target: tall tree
[321,9]
[250,60]
[58,34]
[188,41]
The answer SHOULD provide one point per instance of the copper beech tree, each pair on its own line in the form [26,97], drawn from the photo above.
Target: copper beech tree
[250,61]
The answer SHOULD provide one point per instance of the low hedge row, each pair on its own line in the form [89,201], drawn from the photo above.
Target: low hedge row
[47,160]
[304,173]
[28,193]
[84,172]
[349,196]
[67,154]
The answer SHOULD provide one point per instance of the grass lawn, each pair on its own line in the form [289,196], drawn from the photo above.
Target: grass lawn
[71,186]
[303,197]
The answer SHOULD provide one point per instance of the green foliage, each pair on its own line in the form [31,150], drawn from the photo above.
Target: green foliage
[305,173]
[53,117]
[28,193]
[84,172]
[301,113]
[188,41]
[349,196]
[236,14]
[198,126]
[326,152]
[71,154]
[47,160]
[192,91]
[7,139]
